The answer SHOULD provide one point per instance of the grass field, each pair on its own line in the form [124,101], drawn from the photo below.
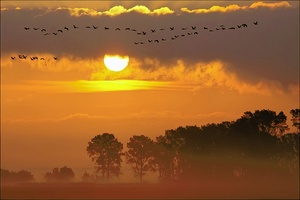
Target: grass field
[283,189]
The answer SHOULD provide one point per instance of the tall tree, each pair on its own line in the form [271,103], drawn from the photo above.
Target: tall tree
[296,118]
[106,151]
[140,155]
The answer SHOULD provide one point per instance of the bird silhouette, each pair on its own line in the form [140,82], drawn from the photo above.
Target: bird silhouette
[183,35]
[152,30]
[211,30]
[232,28]
[127,29]
[176,36]
[66,28]
[36,29]
[183,29]
[136,42]
[149,40]
[196,33]
[144,33]
[59,30]
[190,33]
[54,33]
[239,26]
[156,41]
[172,28]
[42,58]
[133,30]
[87,27]
[106,28]
[205,28]
[75,26]
[26,28]
[163,39]
[47,34]
[244,25]
[12,57]
[117,29]
[193,27]
[255,23]
[55,58]
[162,29]
[95,27]
[43,30]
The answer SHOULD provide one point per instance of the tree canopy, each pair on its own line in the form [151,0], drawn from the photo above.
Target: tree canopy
[106,151]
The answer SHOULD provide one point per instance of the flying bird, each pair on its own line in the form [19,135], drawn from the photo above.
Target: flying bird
[144,33]
[66,28]
[255,23]
[106,28]
[117,29]
[232,28]
[184,29]
[75,26]
[36,29]
[163,39]
[95,27]
[12,57]
[205,28]
[42,58]
[193,27]
[149,40]
[87,27]
[47,34]
[127,29]
[244,25]
[59,30]
[156,41]
[55,58]
[152,30]
[43,30]
[26,28]
[172,28]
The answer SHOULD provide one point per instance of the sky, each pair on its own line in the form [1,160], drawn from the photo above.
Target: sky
[51,108]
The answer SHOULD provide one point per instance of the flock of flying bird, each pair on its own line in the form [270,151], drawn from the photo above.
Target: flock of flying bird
[22,56]
[185,31]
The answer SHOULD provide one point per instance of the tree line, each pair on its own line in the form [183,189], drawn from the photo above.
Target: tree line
[257,145]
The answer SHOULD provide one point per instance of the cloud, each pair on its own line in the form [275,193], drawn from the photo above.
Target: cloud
[235,7]
[282,4]
[267,52]
[229,8]
[117,10]
[179,76]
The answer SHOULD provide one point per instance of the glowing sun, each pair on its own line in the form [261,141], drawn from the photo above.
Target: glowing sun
[115,62]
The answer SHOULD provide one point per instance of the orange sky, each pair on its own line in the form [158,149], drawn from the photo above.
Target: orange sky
[51,109]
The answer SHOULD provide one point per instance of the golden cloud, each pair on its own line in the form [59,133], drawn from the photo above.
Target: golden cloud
[117,10]
[283,4]
[229,8]
[234,7]
[136,77]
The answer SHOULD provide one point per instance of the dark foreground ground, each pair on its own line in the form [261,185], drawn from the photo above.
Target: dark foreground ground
[204,190]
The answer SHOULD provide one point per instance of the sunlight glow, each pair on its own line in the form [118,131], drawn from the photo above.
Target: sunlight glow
[115,62]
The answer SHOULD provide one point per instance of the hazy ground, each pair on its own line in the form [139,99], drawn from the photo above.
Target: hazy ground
[271,189]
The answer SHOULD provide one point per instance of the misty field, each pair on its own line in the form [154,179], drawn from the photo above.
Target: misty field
[263,189]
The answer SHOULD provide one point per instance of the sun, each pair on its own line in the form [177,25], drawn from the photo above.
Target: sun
[116,62]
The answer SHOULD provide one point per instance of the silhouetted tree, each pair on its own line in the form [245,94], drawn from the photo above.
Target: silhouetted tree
[62,174]
[296,118]
[140,155]
[106,151]
[20,176]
